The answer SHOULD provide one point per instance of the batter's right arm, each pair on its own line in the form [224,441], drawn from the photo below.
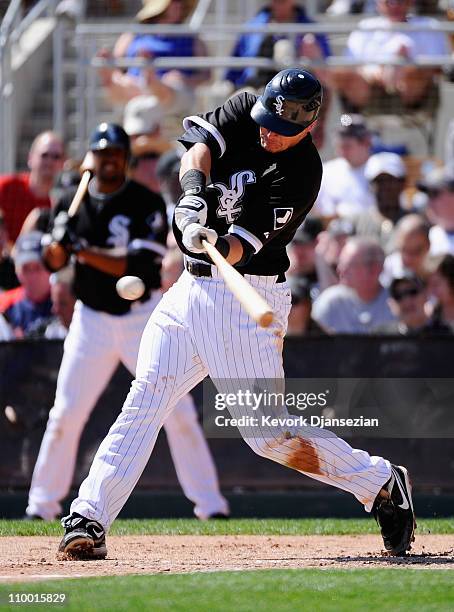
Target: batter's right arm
[195,168]
[198,157]
[191,211]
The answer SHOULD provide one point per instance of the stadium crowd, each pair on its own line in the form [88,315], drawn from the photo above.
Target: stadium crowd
[376,253]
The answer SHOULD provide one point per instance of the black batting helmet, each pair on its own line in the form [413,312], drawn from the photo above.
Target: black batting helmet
[290,103]
[109,136]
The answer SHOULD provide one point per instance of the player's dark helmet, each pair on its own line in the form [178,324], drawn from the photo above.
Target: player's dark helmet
[109,136]
[290,103]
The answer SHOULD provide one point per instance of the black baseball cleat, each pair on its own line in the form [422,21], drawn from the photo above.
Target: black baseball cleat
[83,539]
[393,511]
[222,516]
[32,517]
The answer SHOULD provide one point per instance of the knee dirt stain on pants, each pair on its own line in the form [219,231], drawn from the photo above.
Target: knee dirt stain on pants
[302,456]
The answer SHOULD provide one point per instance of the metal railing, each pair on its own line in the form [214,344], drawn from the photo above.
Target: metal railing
[86,36]
[216,31]
[86,39]
[13,26]
[7,116]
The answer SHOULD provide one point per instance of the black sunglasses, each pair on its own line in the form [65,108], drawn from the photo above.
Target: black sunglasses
[49,155]
[147,156]
[410,292]
[434,192]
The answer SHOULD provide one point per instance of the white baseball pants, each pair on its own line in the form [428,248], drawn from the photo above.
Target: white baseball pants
[200,329]
[95,345]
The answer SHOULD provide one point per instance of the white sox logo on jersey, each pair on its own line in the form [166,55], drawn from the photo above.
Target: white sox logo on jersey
[282,216]
[155,221]
[119,231]
[230,198]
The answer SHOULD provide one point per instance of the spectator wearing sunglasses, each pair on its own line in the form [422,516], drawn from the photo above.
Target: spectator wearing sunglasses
[412,245]
[439,187]
[407,301]
[20,193]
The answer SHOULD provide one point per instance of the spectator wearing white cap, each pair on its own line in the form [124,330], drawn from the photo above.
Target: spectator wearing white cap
[143,115]
[386,174]
[344,191]
[142,121]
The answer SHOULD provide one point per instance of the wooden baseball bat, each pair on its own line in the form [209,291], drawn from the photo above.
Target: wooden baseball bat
[249,298]
[87,167]
[55,254]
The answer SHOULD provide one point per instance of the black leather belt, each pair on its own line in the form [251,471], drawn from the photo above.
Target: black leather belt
[202,269]
[198,268]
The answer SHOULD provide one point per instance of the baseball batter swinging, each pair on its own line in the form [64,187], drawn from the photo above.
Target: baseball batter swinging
[265,175]
[120,229]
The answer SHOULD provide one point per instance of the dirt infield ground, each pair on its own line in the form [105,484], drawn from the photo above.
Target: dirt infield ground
[29,558]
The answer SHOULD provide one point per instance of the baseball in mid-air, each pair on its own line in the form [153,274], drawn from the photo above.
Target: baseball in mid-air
[130,287]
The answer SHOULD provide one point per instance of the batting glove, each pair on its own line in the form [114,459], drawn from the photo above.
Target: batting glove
[62,232]
[193,235]
[190,209]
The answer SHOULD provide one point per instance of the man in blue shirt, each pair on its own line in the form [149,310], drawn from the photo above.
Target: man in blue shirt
[260,44]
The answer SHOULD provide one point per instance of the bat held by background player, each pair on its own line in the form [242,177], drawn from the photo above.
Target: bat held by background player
[55,253]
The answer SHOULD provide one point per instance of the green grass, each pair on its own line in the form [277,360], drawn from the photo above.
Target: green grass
[267,590]
[231,527]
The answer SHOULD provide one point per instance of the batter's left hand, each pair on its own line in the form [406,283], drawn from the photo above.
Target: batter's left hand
[193,235]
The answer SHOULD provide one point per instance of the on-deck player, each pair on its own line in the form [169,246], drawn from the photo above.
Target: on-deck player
[120,229]
[265,174]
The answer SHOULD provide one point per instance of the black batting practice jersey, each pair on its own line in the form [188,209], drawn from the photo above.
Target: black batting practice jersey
[260,197]
[133,218]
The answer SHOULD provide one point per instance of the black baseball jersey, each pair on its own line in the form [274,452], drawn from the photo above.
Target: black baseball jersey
[259,197]
[132,217]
